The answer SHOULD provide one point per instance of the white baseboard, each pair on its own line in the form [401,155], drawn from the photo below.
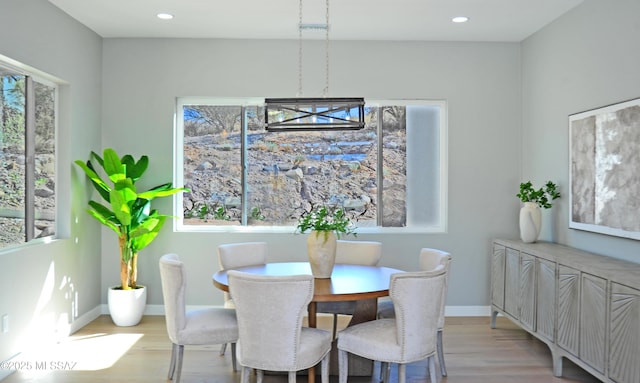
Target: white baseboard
[85,319]
[467,311]
[450,311]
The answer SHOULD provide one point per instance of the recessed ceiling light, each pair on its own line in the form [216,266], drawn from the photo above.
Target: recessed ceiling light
[164,16]
[460,19]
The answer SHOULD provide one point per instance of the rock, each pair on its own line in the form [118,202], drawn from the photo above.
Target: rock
[355,205]
[43,192]
[295,174]
[205,166]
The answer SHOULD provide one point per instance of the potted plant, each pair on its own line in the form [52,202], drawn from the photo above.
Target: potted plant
[530,214]
[326,225]
[128,213]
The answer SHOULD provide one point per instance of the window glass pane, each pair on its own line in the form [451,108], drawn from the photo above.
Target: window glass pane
[12,165]
[288,172]
[45,161]
[212,165]
[424,167]
[279,175]
[394,169]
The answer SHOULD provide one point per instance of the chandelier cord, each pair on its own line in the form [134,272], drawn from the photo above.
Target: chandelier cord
[326,47]
[300,50]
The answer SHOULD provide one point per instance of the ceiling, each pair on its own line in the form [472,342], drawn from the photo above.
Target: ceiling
[413,20]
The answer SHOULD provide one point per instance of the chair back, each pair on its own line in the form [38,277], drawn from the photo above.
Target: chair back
[417,299]
[174,283]
[270,312]
[358,252]
[430,259]
[233,255]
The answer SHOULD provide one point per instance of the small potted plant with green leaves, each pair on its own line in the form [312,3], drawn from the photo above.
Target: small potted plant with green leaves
[326,224]
[530,214]
[127,211]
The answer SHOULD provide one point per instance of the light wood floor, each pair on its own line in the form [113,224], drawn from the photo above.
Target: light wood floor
[102,352]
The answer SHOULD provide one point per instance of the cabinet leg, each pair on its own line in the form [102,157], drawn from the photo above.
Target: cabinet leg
[494,316]
[557,364]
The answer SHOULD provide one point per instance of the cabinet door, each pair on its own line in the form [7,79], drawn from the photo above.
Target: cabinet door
[512,282]
[593,315]
[546,299]
[497,276]
[568,308]
[624,335]
[528,291]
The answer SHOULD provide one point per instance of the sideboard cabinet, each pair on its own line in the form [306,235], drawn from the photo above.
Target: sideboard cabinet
[584,307]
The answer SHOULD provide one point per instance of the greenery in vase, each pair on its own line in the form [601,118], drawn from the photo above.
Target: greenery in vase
[127,211]
[326,219]
[541,197]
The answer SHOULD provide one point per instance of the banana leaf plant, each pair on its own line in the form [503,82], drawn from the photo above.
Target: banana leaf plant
[127,212]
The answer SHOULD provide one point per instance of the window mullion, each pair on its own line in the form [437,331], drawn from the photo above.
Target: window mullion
[30,152]
[244,201]
[380,172]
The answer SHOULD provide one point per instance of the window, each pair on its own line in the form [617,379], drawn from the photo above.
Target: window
[27,157]
[389,174]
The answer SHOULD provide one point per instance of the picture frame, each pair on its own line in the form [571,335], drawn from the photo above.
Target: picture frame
[604,173]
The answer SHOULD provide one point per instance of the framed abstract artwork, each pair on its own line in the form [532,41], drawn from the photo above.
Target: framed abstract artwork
[604,149]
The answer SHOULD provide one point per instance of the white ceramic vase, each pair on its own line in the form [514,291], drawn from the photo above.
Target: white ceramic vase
[530,222]
[126,307]
[321,249]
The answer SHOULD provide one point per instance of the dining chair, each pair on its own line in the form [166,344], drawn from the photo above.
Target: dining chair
[410,336]
[195,327]
[354,253]
[233,255]
[429,259]
[270,313]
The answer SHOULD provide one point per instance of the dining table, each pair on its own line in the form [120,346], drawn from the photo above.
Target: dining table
[363,284]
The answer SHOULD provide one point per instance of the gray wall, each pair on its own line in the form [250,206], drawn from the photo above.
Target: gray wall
[480,82]
[587,59]
[42,283]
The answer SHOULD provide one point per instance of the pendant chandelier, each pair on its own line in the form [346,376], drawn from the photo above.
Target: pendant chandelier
[313,114]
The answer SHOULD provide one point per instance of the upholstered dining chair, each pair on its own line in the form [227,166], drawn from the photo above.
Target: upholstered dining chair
[429,259]
[232,255]
[410,336]
[270,312]
[353,253]
[196,327]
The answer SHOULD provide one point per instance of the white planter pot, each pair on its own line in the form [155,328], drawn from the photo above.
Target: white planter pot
[126,307]
[530,222]
[321,249]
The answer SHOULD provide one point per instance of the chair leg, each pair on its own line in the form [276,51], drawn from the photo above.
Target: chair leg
[179,362]
[432,369]
[402,373]
[246,371]
[234,362]
[172,365]
[223,349]
[335,326]
[324,369]
[343,366]
[385,369]
[259,376]
[386,372]
[292,377]
[443,367]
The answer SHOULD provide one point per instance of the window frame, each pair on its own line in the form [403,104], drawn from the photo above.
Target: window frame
[179,226]
[32,76]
